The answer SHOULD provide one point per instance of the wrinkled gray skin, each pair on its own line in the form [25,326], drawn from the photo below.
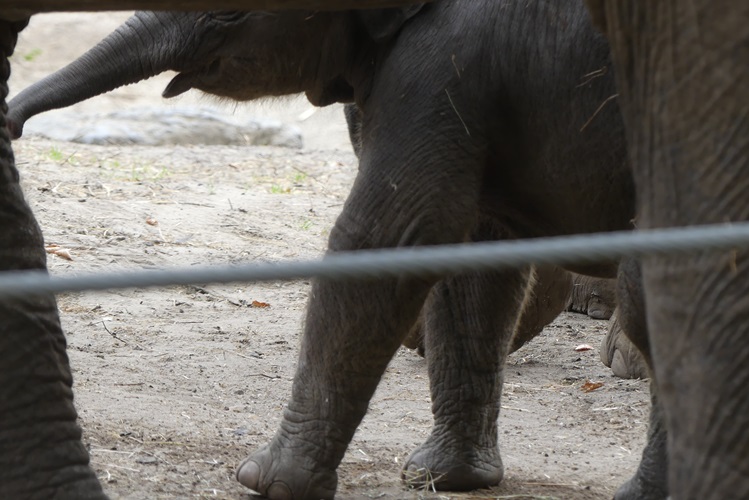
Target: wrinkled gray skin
[41,453]
[595,297]
[551,290]
[620,354]
[473,130]
[683,76]
[547,295]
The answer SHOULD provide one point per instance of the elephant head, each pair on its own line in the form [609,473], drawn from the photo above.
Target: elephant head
[235,55]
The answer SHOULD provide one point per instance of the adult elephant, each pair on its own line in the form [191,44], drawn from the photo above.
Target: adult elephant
[683,76]
[41,453]
[473,130]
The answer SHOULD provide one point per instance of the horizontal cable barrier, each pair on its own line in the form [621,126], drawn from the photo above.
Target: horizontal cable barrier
[414,261]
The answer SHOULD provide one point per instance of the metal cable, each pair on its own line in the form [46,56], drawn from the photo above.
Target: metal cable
[420,261]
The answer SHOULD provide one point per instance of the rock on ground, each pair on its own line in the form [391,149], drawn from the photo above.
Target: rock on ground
[165,126]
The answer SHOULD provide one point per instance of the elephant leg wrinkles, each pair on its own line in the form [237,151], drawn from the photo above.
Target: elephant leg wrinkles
[353,328]
[650,482]
[42,453]
[688,135]
[470,320]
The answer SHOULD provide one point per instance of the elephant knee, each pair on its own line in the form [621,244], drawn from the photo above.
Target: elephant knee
[394,229]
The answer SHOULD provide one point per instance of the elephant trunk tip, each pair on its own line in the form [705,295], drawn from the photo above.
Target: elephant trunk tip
[15,127]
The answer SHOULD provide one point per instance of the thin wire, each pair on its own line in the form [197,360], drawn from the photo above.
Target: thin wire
[419,261]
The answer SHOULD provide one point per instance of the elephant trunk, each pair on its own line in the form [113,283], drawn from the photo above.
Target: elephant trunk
[137,50]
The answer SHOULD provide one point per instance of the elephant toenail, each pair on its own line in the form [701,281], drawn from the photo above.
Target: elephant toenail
[248,474]
[279,491]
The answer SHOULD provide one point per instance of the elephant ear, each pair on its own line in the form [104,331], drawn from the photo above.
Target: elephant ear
[382,24]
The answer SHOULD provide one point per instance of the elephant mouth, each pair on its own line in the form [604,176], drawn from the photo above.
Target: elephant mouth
[187,80]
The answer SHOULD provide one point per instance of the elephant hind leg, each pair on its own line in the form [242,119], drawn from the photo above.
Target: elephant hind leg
[548,295]
[470,320]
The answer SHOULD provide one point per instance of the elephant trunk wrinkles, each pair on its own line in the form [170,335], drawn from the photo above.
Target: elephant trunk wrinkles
[138,55]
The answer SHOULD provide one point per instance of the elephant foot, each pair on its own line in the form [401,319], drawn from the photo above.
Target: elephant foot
[280,473]
[85,487]
[637,489]
[449,468]
[54,469]
[618,353]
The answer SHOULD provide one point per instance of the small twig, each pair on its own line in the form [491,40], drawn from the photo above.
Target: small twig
[455,65]
[514,408]
[423,479]
[135,439]
[69,157]
[592,76]
[194,204]
[521,495]
[528,496]
[272,377]
[120,467]
[609,98]
[565,485]
[112,334]
[157,458]
[307,174]
[456,112]
[235,352]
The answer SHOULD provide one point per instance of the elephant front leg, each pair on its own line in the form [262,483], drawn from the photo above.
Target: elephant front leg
[470,321]
[352,331]
[650,482]
[41,454]
[418,184]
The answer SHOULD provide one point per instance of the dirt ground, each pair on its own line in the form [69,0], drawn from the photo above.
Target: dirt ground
[175,386]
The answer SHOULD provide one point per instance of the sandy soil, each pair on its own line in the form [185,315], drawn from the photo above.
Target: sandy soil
[175,386]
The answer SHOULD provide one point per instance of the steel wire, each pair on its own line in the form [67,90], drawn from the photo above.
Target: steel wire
[414,261]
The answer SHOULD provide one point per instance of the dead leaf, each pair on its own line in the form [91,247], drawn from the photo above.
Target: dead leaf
[257,303]
[152,222]
[56,249]
[63,253]
[589,386]
[584,347]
